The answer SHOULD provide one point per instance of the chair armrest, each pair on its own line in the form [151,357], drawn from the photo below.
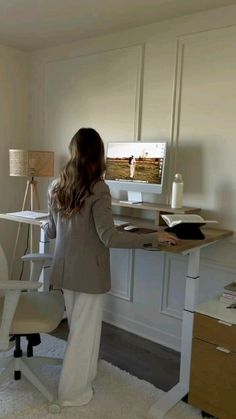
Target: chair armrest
[34,257]
[19,285]
[38,262]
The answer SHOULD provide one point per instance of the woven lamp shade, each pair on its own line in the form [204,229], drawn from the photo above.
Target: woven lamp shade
[31,163]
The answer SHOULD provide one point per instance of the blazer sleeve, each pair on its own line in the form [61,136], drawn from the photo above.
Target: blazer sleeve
[49,226]
[108,234]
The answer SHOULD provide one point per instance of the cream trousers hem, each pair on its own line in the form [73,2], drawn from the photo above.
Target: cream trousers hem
[84,313]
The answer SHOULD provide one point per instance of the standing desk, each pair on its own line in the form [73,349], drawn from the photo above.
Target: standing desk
[191,249]
[43,244]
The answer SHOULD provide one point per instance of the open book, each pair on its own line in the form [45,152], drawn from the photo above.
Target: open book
[186,226]
[173,220]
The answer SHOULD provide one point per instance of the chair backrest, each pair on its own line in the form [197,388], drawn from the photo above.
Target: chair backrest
[3,266]
[9,302]
[10,292]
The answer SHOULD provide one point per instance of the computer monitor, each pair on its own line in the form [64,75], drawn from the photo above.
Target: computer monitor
[136,167]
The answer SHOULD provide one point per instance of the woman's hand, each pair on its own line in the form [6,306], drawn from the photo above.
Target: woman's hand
[166,238]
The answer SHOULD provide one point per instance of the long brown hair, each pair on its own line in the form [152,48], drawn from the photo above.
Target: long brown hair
[83,169]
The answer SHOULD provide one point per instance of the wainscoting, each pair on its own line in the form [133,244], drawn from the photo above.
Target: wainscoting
[149,299]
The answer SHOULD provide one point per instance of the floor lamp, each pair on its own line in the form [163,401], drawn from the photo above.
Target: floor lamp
[30,164]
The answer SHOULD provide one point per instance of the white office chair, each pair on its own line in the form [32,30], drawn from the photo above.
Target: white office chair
[26,312]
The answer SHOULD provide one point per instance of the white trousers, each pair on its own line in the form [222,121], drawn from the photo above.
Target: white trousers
[84,313]
[132,170]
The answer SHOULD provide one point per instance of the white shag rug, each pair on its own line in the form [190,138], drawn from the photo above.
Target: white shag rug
[118,395]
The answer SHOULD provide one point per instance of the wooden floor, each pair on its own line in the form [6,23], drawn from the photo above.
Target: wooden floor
[140,357]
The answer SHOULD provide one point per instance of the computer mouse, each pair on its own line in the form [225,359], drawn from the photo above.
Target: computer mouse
[130,228]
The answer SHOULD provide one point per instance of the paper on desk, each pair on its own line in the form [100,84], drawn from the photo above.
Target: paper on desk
[29,214]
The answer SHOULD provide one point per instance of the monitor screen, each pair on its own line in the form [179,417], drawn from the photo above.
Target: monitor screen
[136,165]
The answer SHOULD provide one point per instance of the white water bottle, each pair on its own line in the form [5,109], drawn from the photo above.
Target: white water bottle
[177,191]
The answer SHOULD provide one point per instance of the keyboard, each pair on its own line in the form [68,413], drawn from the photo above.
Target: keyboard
[118,222]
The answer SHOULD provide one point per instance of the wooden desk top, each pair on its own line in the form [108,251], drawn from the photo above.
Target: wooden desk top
[212,235]
[155,207]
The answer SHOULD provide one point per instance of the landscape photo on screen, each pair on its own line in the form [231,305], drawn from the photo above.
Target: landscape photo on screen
[135,162]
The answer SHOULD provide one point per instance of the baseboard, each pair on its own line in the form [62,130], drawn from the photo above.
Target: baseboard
[142,330]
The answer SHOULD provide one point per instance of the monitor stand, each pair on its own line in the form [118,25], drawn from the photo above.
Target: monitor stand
[133,198]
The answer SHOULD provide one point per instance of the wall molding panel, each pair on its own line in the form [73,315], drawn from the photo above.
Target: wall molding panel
[170,265]
[109,99]
[122,273]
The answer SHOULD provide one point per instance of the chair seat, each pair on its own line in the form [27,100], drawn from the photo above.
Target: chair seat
[37,312]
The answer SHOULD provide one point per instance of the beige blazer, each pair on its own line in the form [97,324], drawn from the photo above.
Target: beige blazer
[81,259]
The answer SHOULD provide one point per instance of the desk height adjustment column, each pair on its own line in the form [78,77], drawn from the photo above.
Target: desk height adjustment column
[180,390]
[44,248]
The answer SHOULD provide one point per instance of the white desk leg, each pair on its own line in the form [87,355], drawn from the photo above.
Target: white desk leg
[44,248]
[173,396]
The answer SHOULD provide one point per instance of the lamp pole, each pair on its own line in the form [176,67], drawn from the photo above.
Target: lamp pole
[30,164]
[31,186]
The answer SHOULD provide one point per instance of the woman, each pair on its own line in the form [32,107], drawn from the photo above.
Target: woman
[132,164]
[80,219]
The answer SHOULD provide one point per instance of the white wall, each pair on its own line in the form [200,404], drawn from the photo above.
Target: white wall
[14,133]
[172,81]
